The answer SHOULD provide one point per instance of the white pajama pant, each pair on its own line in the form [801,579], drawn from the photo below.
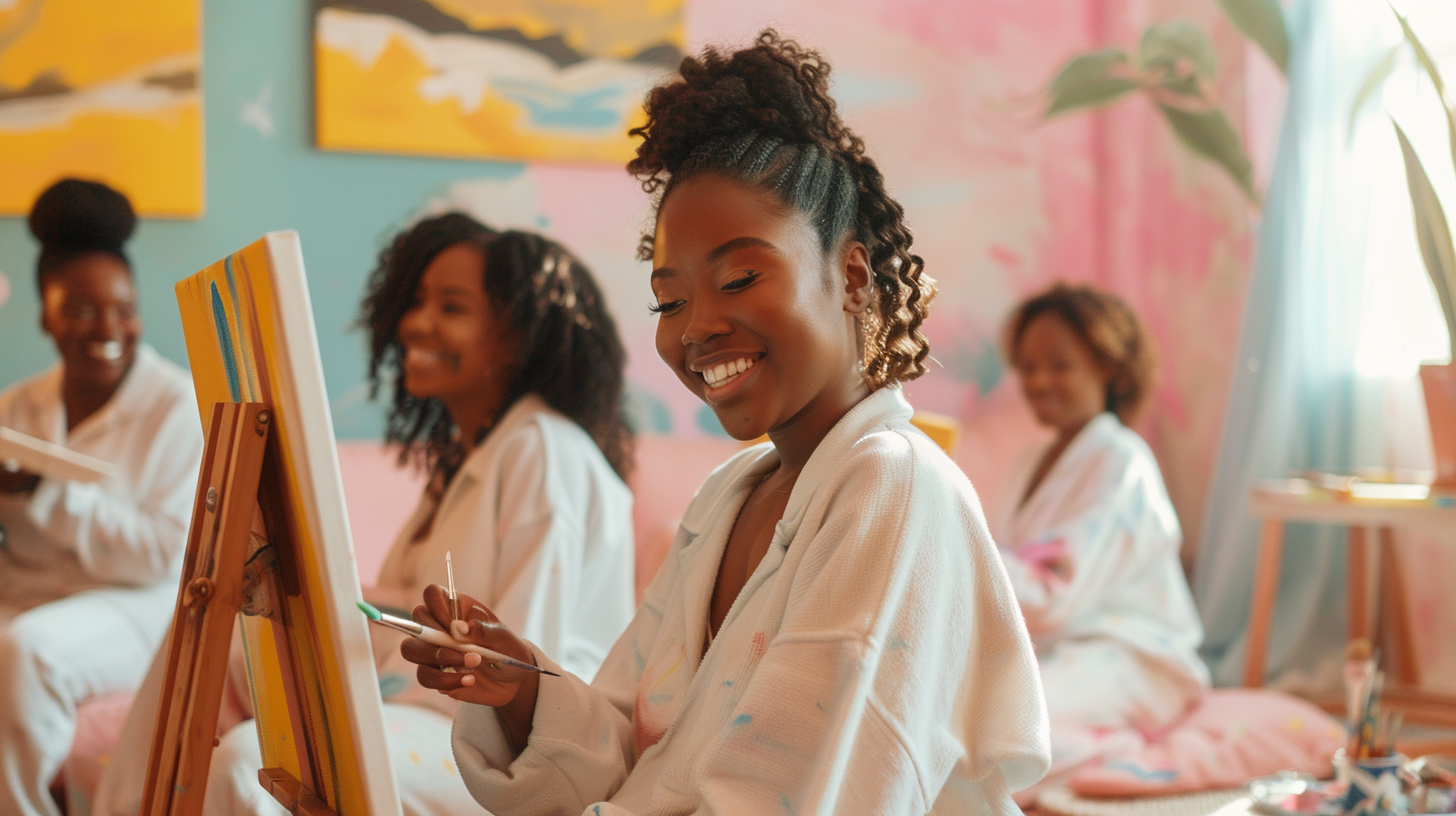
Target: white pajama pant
[419,749]
[1102,699]
[429,784]
[52,657]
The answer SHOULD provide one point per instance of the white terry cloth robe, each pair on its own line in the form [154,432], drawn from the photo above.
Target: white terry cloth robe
[539,529]
[874,662]
[88,572]
[1093,555]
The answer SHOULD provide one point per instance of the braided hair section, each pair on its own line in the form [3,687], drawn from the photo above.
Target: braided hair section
[763,116]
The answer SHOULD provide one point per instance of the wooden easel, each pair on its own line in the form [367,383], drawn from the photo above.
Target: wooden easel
[227,564]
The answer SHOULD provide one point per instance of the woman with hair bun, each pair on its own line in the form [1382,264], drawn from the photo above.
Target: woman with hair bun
[832,631]
[1088,534]
[88,572]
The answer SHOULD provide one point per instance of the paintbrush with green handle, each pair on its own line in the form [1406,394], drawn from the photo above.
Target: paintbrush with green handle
[435,637]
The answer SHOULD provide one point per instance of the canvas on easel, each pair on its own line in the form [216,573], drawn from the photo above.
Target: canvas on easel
[269,538]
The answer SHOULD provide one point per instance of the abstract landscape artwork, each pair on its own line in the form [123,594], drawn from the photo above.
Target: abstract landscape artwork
[102,89]
[508,79]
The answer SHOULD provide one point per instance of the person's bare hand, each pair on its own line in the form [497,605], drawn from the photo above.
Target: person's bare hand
[511,691]
[475,679]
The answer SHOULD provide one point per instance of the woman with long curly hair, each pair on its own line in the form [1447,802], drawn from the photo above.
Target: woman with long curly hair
[504,373]
[832,631]
[1088,533]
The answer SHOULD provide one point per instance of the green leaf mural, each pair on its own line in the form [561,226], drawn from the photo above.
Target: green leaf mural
[1263,22]
[1177,65]
[1091,80]
[1210,134]
[1167,46]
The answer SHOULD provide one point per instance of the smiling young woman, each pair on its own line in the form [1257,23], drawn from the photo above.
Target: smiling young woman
[1088,534]
[832,631]
[458,347]
[87,571]
[506,376]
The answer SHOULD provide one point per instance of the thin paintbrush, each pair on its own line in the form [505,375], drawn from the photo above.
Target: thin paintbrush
[450,588]
[437,638]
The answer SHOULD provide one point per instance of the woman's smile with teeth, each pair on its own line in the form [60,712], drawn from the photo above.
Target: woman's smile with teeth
[109,350]
[422,357]
[724,373]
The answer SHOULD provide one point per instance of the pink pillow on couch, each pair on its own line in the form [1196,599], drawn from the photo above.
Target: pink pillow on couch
[98,726]
[1233,736]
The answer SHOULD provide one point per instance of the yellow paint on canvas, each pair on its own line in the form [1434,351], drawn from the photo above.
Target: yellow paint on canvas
[279,747]
[594,28]
[90,41]
[378,107]
[152,152]
[156,161]
[253,330]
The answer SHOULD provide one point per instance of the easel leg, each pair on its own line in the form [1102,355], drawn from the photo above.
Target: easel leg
[1394,611]
[290,793]
[1357,585]
[1261,605]
[207,604]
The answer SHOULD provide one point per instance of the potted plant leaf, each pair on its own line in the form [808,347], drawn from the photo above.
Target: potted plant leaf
[1438,251]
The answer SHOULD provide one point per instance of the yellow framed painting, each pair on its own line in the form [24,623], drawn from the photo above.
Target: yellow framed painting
[510,79]
[102,89]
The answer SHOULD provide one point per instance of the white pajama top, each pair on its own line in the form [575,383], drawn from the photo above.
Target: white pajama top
[539,529]
[1093,552]
[128,529]
[874,662]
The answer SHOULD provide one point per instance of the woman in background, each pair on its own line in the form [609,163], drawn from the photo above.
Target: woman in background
[88,572]
[1088,534]
[506,373]
[832,631]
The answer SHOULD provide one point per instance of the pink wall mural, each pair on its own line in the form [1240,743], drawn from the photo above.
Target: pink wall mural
[1002,204]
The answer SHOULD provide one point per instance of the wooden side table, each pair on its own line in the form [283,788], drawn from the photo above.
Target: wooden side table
[1370,555]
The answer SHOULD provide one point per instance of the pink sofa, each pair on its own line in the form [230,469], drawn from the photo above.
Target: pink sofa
[381,496]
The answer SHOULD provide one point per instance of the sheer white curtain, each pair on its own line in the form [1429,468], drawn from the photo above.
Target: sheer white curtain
[1326,376]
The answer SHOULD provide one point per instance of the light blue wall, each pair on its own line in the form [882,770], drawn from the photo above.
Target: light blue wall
[343,205]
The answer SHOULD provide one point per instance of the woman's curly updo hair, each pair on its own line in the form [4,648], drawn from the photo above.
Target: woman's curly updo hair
[1110,330]
[74,218]
[570,353]
[763,116]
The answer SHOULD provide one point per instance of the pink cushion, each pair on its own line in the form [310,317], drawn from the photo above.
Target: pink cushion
[380,497]
[1233,736]
[669,471]
[98,726]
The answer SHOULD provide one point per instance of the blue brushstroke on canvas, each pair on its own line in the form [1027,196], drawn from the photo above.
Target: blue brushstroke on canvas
[552,108]
[225,342]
